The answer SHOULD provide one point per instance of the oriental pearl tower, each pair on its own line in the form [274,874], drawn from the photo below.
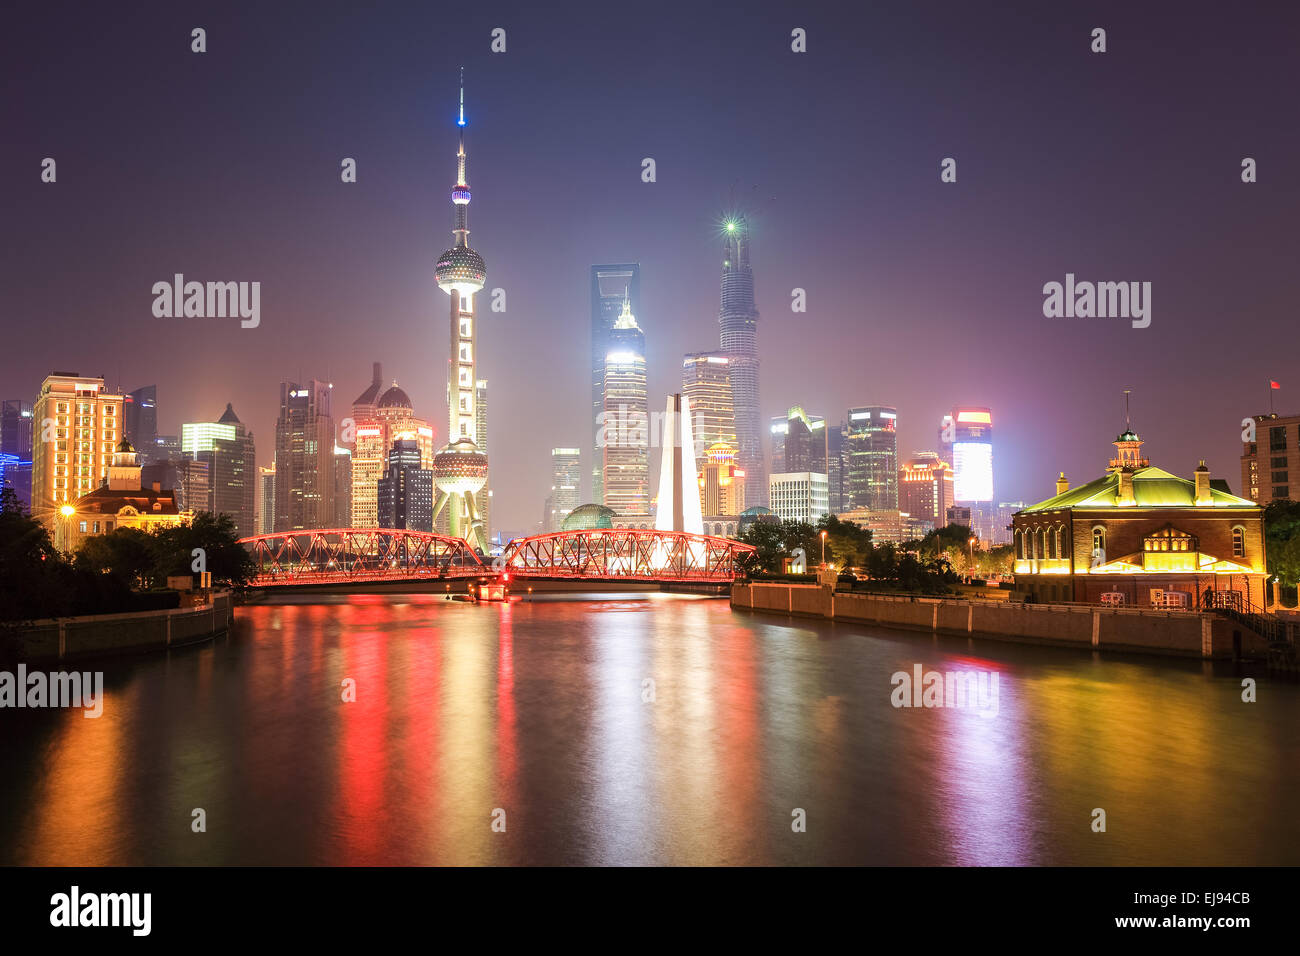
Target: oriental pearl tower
[460,470]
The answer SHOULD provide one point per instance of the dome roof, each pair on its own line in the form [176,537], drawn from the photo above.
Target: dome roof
[588,518]
[124,447]
[460,267]
[394,398]
[755,511]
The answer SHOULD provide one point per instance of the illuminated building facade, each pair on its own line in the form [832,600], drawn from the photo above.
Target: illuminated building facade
[77,424]
[624,439]
[889,527]
[481,436]
[1267,462]
[611,285]
[566,473]
[799,496]
[870,460]
[304,457]
[461,468]
[266,499]
[16,417]
[120,502]
[228,448]
[925,488]
[1140,536]
[738,327]
[391,419]
[706,384]
[722,482]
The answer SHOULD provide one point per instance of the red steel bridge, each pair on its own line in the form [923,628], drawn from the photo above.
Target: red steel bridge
[360,555]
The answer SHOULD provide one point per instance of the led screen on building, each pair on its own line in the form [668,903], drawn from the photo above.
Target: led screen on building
[973,464]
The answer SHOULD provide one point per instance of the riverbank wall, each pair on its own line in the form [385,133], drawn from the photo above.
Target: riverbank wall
[1131,630]
[104,635]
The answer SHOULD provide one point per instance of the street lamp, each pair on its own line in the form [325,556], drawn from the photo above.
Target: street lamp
[823,549]
[970,572]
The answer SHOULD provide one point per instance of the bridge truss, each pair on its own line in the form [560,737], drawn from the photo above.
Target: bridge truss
[359,554]
[626,553]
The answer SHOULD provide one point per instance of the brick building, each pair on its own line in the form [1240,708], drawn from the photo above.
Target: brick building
[1140,536]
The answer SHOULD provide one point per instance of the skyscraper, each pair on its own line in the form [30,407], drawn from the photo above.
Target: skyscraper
[266,498]
[738,323]
[16,448]
[971,431]
[624,441]
[925,488]
[406,489]
[722,484]
[304,457]
[389,417]
[228,448]
[870,461]
[611,284]
[799,442]
[706,384]
[461,467]
[566,475]
[140,420]
[77,425]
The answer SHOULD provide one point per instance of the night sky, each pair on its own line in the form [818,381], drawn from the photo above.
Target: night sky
[224,166]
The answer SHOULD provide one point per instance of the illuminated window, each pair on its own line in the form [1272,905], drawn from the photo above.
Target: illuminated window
[1099,539]
[1169,539]
[1238,542]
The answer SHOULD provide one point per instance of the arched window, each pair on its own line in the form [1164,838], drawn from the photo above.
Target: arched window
[1020,545]
[1099,538]
[1040,546]
[1238,541]
[1052,543]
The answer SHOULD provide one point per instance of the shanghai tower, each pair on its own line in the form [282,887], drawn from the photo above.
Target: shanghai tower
[738,323]
[460,469]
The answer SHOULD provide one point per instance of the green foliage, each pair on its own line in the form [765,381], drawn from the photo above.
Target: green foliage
[108,570]
[848,545]
[1282,540]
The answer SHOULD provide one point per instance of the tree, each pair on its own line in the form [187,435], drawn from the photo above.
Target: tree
[848,544]
[128,553]
[228,561]
[1281,528]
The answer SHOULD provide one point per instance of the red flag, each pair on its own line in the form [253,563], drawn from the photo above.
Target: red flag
[1273,384]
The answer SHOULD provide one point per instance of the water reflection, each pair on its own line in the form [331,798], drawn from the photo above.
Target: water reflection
[641,729]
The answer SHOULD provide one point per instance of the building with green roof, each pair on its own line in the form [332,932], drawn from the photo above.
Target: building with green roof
[1141,536]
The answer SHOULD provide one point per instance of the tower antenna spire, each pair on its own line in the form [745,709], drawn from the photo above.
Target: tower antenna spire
[1127,425]
[462,97]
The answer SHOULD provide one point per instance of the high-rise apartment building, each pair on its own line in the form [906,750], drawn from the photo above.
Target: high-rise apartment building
[77,424]
[612,284]
[304,457]
[405,492]
[566,475]
[799,496]
[870,459]
[16,433]
[835,465]
[227,447]
[706,384]
[342,487]
[738,325]
[625,434]
[970,432]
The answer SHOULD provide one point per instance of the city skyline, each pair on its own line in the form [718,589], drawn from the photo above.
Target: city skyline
[920,294]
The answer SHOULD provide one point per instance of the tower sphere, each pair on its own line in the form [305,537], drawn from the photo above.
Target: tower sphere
[462,269]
